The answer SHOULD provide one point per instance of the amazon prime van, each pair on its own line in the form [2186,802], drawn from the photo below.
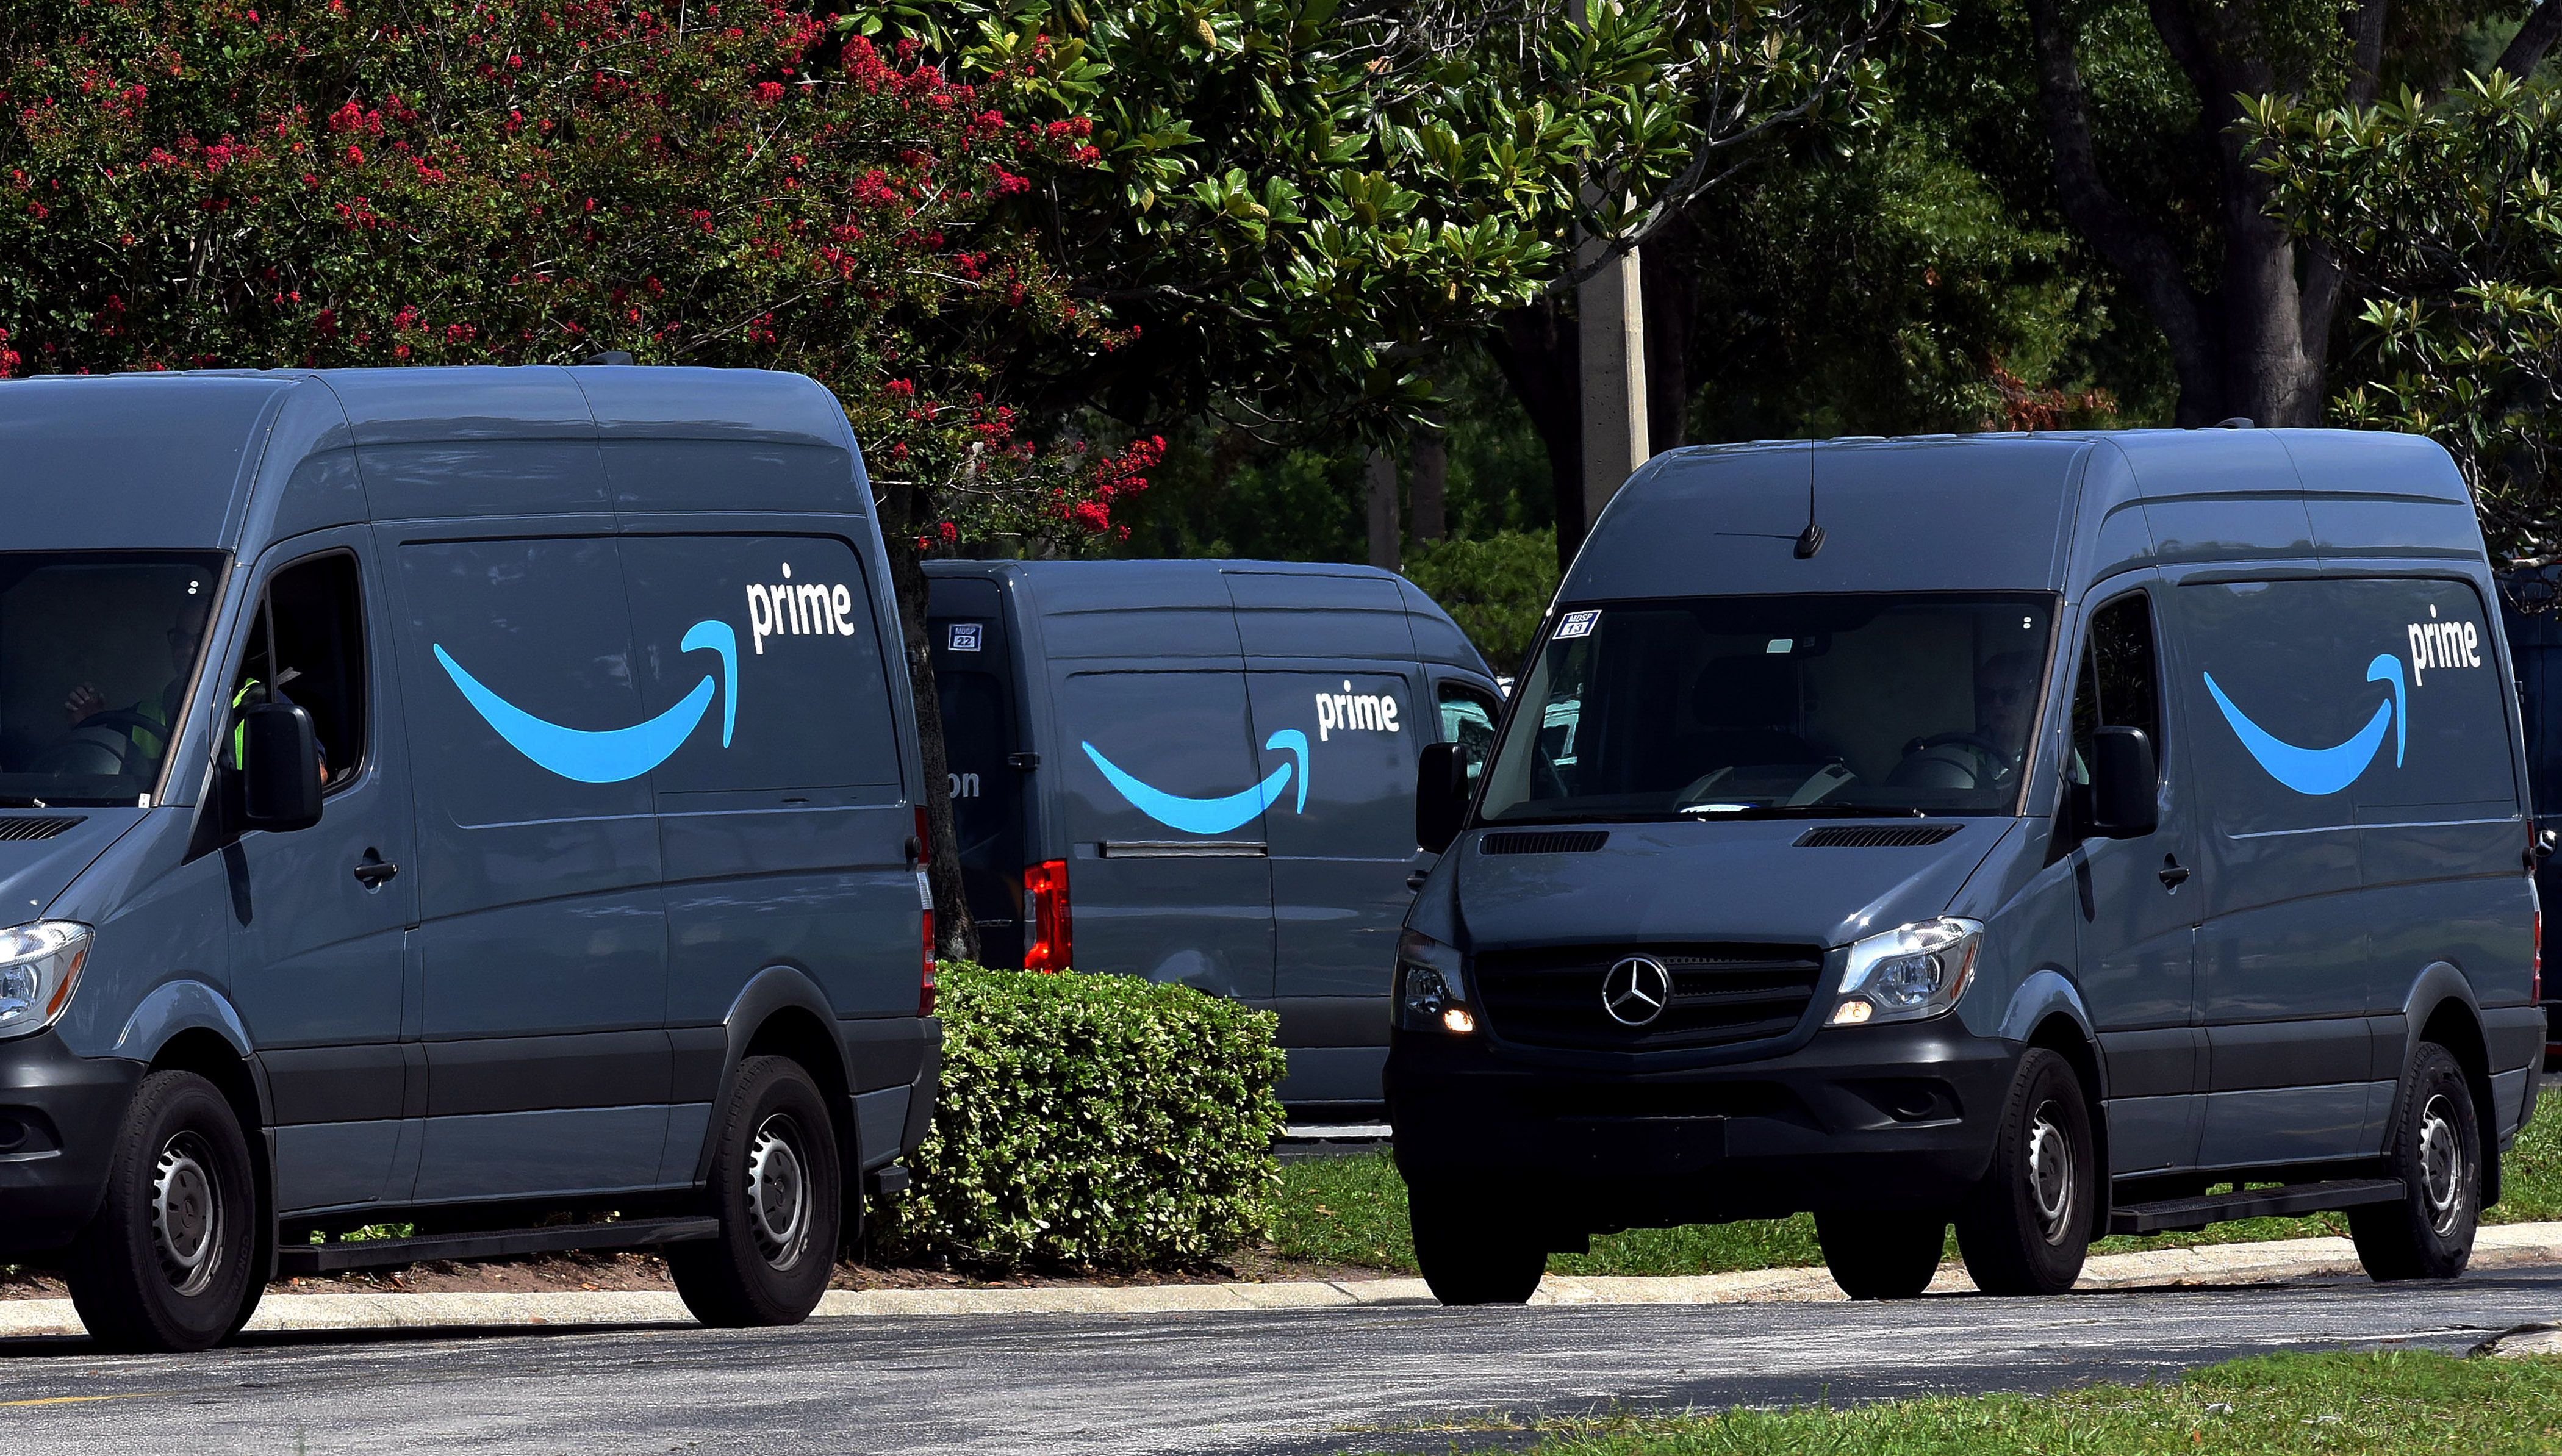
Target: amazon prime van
[449,797]
[2050,835]
[1202,772]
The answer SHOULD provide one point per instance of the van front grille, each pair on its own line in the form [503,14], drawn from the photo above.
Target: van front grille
[1723,993]
[37,829]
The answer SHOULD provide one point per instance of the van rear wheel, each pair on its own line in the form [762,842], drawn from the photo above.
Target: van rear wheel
[778,1190]
[1882,1255]
[2025,1227]
[171,1262]
[1472,1251]
[2427,1233]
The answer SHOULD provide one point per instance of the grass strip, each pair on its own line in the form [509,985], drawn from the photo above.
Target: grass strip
[2392,1404]
[1351,1211]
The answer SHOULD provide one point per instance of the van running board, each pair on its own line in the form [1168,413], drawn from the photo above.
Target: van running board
[2190,1214]
[377,1253]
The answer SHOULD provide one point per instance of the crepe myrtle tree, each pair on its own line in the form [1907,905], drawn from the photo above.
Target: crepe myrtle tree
[2444,211]
[196,183]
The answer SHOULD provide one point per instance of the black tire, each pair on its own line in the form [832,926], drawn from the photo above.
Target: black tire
[170,1261]
[2026,1228]
[1882,1255]
[778,1189]
[1470,1252]
[2427,1233]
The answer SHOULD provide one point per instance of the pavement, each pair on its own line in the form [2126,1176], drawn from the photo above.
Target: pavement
[1261,1382]
[2501,1246]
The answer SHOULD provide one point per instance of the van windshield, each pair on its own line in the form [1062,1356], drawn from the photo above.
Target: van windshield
[97,651]
[1766,706]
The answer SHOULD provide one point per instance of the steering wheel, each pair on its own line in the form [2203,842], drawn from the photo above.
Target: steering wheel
[1995,757]
[118,721]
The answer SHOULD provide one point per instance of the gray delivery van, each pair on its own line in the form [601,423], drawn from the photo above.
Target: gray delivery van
[1202,772]
[451,796]
[2053,834]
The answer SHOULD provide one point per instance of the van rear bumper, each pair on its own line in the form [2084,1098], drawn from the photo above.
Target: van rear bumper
[1876,1118]
[58,1115]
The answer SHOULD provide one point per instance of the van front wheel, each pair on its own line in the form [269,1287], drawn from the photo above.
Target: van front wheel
[1473,1250]
[778,1191]
[2427,1233]
[171,1262]
[2025,1227]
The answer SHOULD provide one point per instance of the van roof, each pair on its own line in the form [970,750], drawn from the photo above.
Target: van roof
[1297,609]
[2020,511]
[226,457]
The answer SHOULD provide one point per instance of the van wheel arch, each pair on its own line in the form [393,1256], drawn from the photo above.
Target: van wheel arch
[210,1056]
[2453,1025]
[2061,1035]
[781,1013]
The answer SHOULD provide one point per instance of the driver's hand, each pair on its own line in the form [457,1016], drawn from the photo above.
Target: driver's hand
[85,702]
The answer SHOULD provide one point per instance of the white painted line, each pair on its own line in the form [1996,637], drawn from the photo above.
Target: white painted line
[1336,1132]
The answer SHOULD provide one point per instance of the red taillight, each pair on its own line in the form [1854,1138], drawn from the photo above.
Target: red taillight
[925,892]
[1046,892]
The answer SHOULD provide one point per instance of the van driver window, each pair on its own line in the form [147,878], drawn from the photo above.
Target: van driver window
[96,652]
[2119,687]
[1468,720]
[307,649]
[1775,706]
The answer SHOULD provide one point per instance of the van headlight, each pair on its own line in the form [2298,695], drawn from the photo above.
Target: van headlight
[39,966]
[1908,973]
[1432,993]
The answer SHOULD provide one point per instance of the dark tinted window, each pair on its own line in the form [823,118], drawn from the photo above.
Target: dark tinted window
[96,652]
[310,649]
[2119,684]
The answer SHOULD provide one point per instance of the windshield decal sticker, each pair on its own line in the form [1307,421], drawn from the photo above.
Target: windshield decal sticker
[1213,815]
[2319,771]
[613,755]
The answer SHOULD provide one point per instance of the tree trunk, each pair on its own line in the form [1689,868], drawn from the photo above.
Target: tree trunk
[1430,487]
[1672,301]
[1541,359]
[1383,543]
[956,934]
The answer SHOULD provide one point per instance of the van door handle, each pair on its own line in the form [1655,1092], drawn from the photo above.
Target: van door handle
[373,870]
[2173,873]
[1415,880]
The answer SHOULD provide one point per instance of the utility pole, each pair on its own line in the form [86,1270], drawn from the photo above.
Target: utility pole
[1610,317]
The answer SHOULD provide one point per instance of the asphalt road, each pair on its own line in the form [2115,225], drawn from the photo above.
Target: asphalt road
[1293,1381]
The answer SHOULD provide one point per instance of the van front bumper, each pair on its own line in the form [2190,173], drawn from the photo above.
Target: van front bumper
[58,1115]
[1869,1118]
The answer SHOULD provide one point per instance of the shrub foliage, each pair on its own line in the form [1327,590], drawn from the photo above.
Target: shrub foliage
[1098,1120]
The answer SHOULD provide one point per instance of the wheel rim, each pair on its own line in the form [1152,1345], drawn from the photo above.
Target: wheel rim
[2050,1173]
[187,1216]
[2441,1163]
[778,1191]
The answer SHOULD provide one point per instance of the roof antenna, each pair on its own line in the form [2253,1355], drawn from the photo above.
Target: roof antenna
[1811,539]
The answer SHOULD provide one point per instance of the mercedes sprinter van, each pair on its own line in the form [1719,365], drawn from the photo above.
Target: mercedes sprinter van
[451,797]
[2053,834]
[1202,772]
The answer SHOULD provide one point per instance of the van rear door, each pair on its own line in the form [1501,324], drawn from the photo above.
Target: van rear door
[974,678]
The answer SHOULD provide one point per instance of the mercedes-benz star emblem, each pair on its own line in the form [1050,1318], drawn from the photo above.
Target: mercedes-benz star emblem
[1636,990]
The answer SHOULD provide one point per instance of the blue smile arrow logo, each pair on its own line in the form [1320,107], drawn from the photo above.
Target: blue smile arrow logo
[2326,770]
[612,754]
[1213,815]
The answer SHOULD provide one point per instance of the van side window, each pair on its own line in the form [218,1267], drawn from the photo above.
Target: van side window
[308,647]
[2119,687]
[1468,720]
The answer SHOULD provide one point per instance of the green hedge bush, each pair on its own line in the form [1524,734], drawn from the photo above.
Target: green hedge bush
[1092,1120]
[1496,589]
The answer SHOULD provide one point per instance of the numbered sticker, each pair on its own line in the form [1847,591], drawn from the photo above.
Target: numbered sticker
[965,637]
[1577,624]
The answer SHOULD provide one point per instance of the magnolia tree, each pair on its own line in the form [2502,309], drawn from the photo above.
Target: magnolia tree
[2446,212]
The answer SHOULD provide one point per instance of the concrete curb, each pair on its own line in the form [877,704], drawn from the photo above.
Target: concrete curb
[2216,1264]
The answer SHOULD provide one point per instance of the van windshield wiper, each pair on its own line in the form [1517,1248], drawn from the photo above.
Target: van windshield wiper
[1714,811]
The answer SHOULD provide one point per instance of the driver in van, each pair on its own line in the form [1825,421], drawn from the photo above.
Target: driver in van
[186,635]
[2005,697]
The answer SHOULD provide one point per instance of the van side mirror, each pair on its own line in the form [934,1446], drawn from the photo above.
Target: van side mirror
[1440,795]
[2126,785]
[279,768]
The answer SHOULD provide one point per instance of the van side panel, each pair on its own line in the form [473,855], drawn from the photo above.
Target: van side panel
[543,932]
[472,443]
